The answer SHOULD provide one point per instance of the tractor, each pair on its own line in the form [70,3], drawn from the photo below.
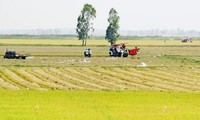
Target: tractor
[119,50]
[13,55]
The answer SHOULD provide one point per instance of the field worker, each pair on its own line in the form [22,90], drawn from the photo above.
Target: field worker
[89,52]
[122,52]
[118,48]
[115,51]
[86,52]
[111,51]
[123,46]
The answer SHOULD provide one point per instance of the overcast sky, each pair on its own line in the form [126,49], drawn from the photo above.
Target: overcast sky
[134,14]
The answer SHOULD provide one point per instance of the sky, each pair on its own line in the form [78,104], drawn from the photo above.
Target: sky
[134,14]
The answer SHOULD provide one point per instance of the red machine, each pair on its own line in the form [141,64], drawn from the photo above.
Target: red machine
[134,51]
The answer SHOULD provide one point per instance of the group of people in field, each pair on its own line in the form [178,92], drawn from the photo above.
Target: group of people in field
[88,52]
[116,50]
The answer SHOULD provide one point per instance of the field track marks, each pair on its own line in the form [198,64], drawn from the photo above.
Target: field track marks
[98,80]
[178,80]
[187,81]
[69,78]
[24,75]
[6,77]
[148,81]
[113,78]
[189,74]
[49,84]
[107,79]
[14,79]
[60,76]
[180,75]
[52,79]
[7,85]
[161,79]
[135,83]
[26,84]
[89,83]
[32,78]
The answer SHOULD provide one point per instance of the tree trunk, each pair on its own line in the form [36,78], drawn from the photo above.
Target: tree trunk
[112,42]
[85,42]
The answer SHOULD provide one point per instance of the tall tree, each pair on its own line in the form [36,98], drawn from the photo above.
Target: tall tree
[113,27]
[85,23]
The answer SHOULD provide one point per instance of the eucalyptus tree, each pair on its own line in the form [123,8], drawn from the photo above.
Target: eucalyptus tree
[112,30]
[85,23]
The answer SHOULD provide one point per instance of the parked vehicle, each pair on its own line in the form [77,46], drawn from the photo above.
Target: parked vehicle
[14,55]
[186,39]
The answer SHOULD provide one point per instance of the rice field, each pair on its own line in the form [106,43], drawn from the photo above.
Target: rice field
[100,79]
[53,42]
[84,105]
[57,82]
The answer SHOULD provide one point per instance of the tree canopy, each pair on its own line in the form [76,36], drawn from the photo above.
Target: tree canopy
[85,23]
[113,27]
